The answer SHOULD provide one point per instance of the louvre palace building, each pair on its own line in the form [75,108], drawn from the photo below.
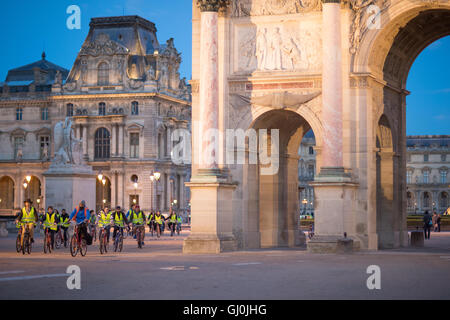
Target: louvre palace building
[125,97]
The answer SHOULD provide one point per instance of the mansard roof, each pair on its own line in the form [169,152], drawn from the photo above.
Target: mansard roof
[428,141]
[25,74]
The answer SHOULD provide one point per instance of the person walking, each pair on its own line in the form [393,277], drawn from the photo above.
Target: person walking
[438,222]
[433,219]
[427,223]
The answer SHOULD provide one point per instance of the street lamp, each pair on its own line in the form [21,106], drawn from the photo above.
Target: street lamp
[100,180]
[25,185]
[135,192]
[28,178]
[38,202]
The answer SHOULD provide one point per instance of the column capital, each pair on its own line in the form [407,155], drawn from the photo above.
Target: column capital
[212,5]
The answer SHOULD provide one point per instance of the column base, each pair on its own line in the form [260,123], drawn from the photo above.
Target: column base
[332,244]
[198,244]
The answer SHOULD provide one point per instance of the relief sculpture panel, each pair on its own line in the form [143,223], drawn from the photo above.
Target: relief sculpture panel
[277,47]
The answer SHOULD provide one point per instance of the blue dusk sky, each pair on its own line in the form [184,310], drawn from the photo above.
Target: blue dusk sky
[30,26]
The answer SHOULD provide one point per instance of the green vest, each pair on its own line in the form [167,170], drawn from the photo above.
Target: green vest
[118,219]
[158,219]
[28,217]
[105,219]
[65,222]
[173,218]
[137,218]
[50,221]
[180,220]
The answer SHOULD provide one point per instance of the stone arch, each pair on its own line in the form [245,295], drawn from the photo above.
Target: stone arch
[385,193]
[271,213]
[103,192]
[443,201]
[7,188]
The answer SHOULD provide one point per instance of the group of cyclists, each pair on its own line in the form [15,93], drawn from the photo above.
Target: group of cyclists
[56,225]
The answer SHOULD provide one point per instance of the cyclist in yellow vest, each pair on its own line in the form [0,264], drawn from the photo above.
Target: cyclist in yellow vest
[51,223]
[137,218]
[172,221]
[105,220]
[65,224]
[27,217]
[120,220]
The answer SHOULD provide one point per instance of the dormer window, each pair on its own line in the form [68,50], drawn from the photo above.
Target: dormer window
[103,74]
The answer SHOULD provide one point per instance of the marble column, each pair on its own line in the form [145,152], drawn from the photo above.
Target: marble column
[209,85]
[333,189]
[120,141]
[332,84]
[114,140]
[85,142]
[211,190]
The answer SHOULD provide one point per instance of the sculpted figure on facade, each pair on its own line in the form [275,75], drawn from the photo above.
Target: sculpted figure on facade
[362,12]
[273,49]
[243,8]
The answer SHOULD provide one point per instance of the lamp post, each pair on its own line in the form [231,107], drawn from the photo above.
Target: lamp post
[103,191]
[304,202]
[100,180]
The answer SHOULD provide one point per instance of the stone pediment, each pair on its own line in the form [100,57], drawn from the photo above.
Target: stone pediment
[135,127]
[103,46]
[42,132]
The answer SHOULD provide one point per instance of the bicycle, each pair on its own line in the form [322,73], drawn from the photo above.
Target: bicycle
[47,241]
[77,243]
[103,238]
[157,227]
[25,244]
[172,228]
[93,231]
[58,239]
[178,228]
[19,238]
[139,234]
[118,239]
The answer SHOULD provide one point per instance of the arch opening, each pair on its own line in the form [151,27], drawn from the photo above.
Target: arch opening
[273,215]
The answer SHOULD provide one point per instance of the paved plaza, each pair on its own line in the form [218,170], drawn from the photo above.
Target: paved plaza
[161,271]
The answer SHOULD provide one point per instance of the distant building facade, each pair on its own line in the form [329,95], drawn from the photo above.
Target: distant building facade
[125,96]
[306,173]
[427,173]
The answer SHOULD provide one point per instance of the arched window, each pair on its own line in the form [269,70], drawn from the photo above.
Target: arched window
[444,200]
[102,144]
[19,112]
[426,200]
[101,109]
[103,74]
[134,108]
[69,110]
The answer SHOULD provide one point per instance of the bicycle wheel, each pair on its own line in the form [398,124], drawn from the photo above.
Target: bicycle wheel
[116,243]
[101,246]
[45,242]
[158,230]
[18,244]
[25,241]
[120,243]
[83,247]
[29,245]
[58,241]
[73,246]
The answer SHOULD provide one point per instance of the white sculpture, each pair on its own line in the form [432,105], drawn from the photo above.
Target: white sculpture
[68,147]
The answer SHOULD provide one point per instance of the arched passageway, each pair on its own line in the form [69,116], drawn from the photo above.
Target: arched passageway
[102,193]
[275,217]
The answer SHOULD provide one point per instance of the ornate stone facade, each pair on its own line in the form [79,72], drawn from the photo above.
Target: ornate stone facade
[356,54]
[123,96]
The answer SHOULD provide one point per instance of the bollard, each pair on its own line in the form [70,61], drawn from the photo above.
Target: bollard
[417,238]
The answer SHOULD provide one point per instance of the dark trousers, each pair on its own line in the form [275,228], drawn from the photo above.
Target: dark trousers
[427,230]
[108,232]
[116,228]
[52,236]
[65,234]
[439,227]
